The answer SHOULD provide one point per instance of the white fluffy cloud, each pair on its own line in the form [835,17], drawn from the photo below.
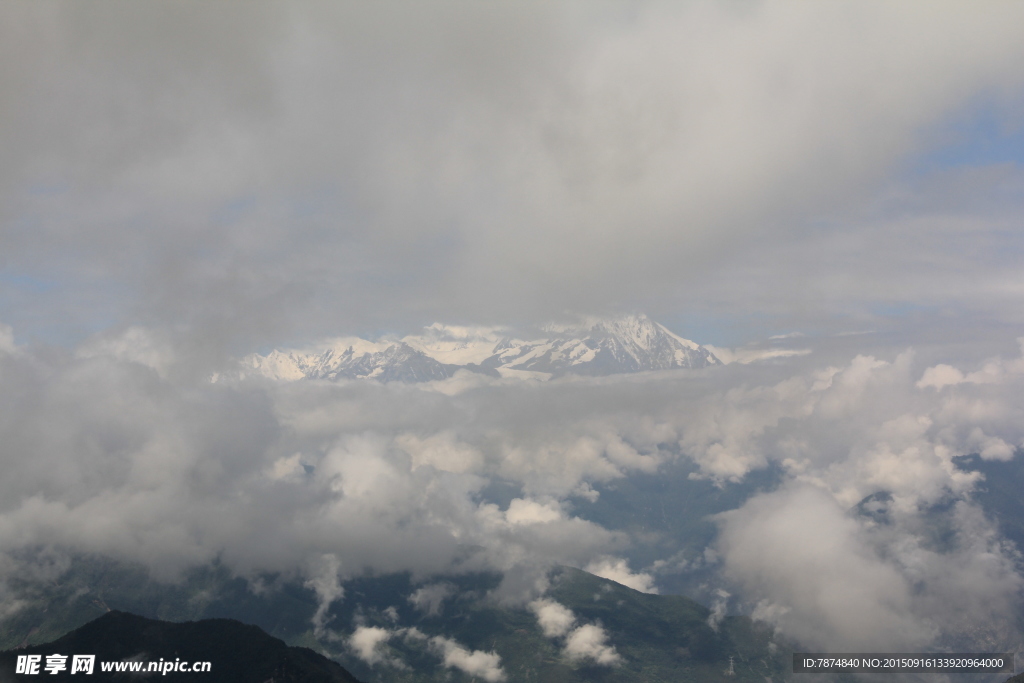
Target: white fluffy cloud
[831,580]
[555,619]
[442,451]
[369,643]
[316,480]
[617,569]
[591,642]
[584,642]
[800,548]
[806,561]
[486,665]
[857,429]
[366,642]
[993,371]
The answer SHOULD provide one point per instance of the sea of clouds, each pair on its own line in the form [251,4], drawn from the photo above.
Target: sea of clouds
[106,452]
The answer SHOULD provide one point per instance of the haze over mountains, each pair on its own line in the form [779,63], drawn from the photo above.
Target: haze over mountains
[633,343]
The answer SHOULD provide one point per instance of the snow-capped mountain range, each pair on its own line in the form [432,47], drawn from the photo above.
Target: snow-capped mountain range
[596,347]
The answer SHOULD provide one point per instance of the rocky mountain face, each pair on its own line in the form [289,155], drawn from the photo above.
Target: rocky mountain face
[598,347]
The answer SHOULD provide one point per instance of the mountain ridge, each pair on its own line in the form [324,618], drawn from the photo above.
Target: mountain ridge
[595,347]
[643,637]
[237,652]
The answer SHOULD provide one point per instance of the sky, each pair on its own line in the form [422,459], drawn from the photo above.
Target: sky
[184,183]
[284,173]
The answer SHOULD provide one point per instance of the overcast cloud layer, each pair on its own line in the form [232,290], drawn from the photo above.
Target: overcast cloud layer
[245,175]
[186,182]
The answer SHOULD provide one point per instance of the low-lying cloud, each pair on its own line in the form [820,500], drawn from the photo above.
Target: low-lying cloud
[590,641]
[486,665]
[617,569]
[370,644]
[826,578]
[323,481]
[579,643]
[554,618]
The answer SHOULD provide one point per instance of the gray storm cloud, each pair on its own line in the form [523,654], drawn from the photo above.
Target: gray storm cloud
[250,173]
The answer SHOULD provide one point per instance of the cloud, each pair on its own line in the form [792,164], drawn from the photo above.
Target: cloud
[940,376]
[748,355]
[585,642]
[617,569]
[525,512]
[442,451]
[369,644]
[315,481]
[430,598]
[333,165]
[718,608]
[486,665]
[858,428]
[800,548]
[366,643]
[133,345]
[993,371]
[590,642]
[829,579]
[991,447]
[324,580]
[555,619]
[7,344]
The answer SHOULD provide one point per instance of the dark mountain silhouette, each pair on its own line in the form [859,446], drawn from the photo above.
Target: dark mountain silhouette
[238,653]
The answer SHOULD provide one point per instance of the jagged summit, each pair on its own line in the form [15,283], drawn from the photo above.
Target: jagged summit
[633,343]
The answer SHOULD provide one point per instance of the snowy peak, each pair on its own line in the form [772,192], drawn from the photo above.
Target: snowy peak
[632,343]
[605,347]
[636,330]
[642,331]
[384,361]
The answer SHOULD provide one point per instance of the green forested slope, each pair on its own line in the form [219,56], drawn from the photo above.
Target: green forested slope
[657,637]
